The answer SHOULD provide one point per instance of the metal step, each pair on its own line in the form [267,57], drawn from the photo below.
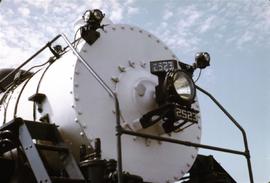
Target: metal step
[30,130]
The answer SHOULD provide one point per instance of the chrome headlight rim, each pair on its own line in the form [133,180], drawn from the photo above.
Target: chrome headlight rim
[172,92]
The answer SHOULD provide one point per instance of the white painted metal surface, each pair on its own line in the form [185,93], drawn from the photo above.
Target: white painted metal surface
[84,111]
[121,56]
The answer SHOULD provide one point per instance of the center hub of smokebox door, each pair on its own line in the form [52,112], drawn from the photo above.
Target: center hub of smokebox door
[136,93]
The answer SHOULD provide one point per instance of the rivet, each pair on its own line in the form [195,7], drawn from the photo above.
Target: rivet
[73,106]
[79,112]
[168,181]
[131,64]
[71,92]
[149,35]
[192,156]
[84,50]
[143,64]
[175,178]
[76,120]
[131,28]
[76,98]
[198,138]
[115,79]
[134,138]
[84,125]
[199,127]
[165,47]
[182,172]
[76,85]
[105,31]
[70,78]
[188,165]
[113,28]
[158,41]
[77,72]
[123,28]
[81,133]
[140,31]
[121,69]
[113,111]
[173,56]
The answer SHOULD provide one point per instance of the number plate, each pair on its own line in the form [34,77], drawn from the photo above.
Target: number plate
[186,114]
[163,66]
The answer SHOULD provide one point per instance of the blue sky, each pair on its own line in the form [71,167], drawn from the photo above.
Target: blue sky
[235,32]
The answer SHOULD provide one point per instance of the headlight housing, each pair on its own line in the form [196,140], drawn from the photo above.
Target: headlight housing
[179,87]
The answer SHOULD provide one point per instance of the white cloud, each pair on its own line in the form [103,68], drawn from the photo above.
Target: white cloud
[207,24]
[189,17]
[24,11]
[129,2]
[182,27]
[41,4]
[132,11]
[245,38]
[116,15]
[167,14]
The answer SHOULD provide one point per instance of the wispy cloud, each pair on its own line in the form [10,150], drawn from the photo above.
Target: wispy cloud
[167,14]
[39,21]
[234,23]
[24,11]
[183,26]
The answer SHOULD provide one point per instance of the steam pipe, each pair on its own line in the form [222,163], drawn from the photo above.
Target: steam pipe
[26,62]
[246,153]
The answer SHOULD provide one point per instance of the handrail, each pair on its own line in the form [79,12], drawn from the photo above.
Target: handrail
[247,152]
[116,102]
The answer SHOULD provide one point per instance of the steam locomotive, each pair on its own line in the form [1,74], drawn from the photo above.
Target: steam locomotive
[102,109]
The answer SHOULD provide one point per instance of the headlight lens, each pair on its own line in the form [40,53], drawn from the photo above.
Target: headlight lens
[181,87]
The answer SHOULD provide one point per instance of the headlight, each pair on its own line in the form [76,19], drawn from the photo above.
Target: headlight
[180,87]
[98,14]
[93,16]
[87,16]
